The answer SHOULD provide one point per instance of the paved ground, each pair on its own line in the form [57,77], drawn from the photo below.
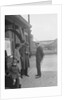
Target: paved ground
[49,73]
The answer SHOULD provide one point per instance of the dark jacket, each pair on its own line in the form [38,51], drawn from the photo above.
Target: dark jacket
[39,54]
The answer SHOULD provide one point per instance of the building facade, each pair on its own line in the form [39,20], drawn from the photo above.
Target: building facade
[17,30]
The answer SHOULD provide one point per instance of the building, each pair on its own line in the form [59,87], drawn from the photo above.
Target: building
[17,30]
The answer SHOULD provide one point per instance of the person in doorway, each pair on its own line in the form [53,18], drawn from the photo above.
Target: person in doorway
[39,57]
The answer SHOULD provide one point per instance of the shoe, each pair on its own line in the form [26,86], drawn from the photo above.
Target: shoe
[21,76]
[27,75]
[19,85]
[38,76]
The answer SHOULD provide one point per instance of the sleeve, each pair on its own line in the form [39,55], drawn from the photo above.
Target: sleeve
[16,54]
[42,54]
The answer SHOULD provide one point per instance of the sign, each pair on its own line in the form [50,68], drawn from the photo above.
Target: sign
[8,46]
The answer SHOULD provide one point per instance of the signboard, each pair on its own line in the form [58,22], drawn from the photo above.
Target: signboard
[8,46]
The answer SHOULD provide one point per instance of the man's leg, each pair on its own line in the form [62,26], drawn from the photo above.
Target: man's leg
[39,69]
[21,67]
[26,67]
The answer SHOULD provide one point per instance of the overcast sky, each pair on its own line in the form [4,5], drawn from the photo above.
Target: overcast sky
[44,26]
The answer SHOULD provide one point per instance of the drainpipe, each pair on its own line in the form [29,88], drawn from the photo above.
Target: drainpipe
[28,18]
[29,31]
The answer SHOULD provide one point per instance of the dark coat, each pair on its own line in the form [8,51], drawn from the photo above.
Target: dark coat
[39,54]
[22,53]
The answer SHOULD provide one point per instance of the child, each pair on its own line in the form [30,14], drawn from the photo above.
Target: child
[14,73]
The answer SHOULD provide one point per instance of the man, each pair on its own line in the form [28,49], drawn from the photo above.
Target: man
[22,53]
[39,57]
[26,59]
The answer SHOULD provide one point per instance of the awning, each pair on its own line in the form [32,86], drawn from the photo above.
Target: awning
[18,20]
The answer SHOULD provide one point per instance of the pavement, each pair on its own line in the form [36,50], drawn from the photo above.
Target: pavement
[48,70]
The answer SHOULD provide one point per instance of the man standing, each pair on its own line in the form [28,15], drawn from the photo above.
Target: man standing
[22,53]
[39,57]
[27,59]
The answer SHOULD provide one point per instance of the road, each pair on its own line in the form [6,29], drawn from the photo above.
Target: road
[49,73]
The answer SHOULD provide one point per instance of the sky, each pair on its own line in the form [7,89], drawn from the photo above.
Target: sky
[44,26]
